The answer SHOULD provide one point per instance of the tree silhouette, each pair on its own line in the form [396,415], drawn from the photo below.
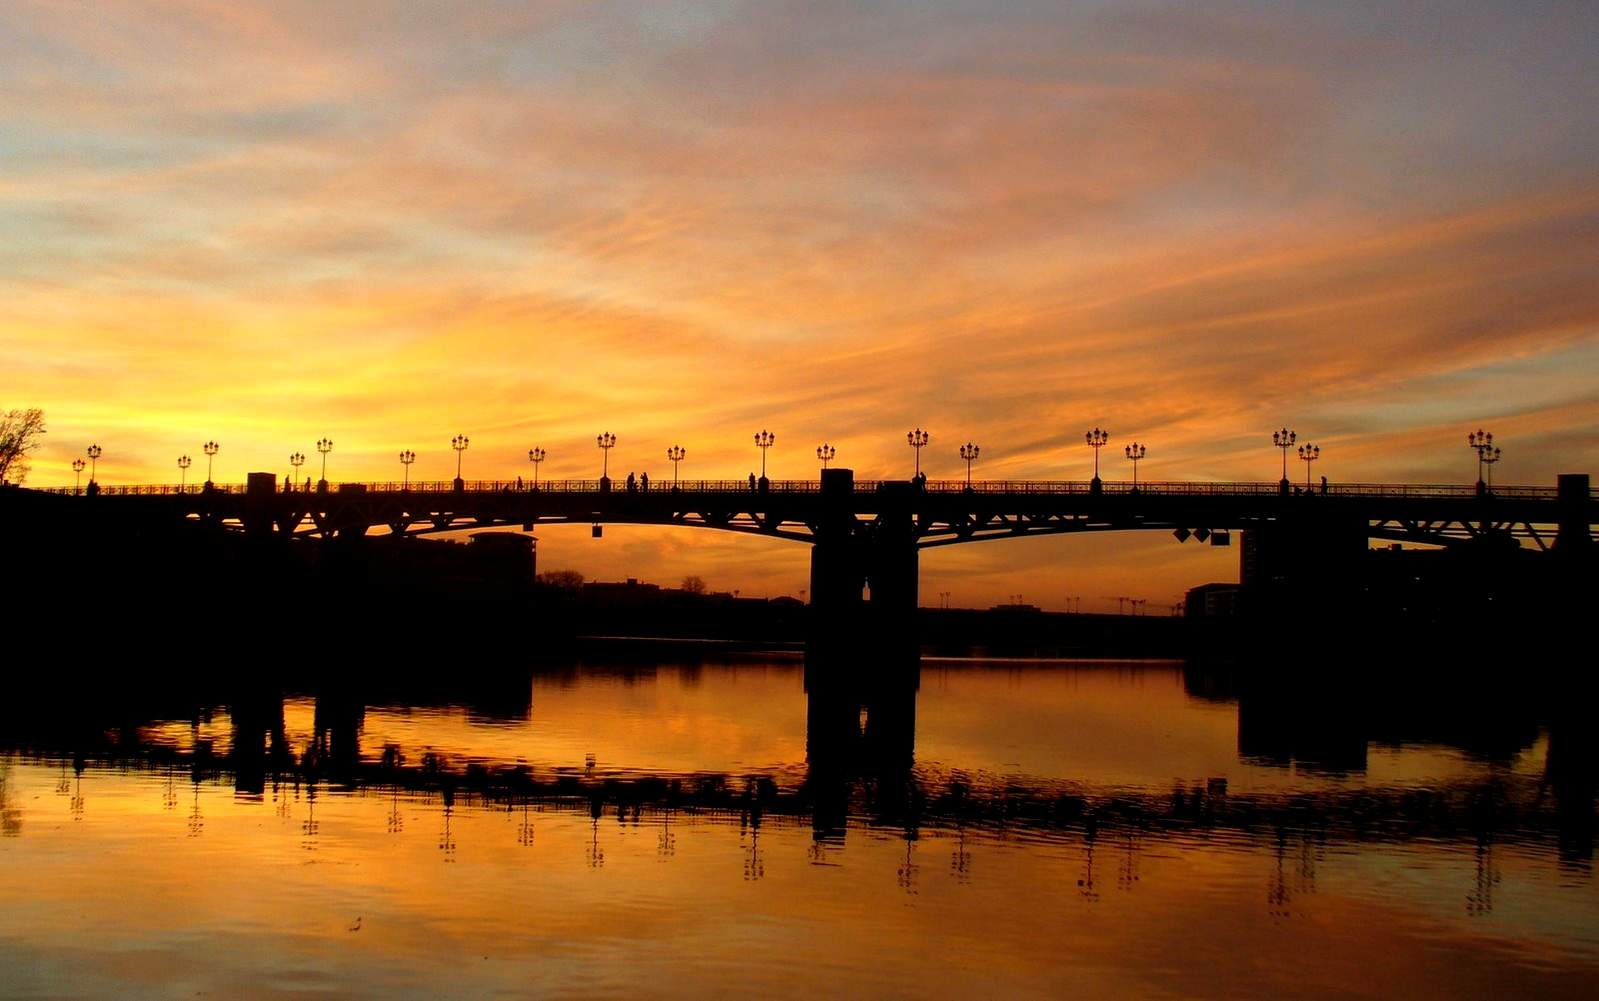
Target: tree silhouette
[19,435]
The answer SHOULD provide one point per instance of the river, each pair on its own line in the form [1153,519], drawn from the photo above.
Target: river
[671,827]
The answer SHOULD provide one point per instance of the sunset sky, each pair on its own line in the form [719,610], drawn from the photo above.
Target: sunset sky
[684,222]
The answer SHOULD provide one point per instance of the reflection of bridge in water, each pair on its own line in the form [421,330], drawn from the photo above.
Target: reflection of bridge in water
[860,768]
[867,535]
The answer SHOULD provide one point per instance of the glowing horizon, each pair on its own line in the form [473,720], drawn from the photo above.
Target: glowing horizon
[1007,224]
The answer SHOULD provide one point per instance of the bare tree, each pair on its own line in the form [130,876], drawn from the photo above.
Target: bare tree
[693,584]
[567,580]
[19,435]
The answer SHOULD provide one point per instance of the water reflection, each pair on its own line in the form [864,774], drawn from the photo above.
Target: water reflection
[973,794]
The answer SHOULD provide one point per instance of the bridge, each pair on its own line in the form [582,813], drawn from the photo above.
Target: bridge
[866,535]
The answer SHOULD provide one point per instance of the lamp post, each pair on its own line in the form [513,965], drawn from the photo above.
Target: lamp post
[78,466]
[675,454]
[1284,440]
[406,458]
[1136,452]
[94,453]
[1488,459]
[296,460]
[535,456]
[606,441]
[459,443]
[826,453]
[969,453]
[324,445]
[1096,441]
[1482,442]
[1308,453]
[763,441]
[183,473]
[210,448]
[918,440]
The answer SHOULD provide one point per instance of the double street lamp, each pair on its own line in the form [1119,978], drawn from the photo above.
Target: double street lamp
[296,460]
[78,466]
[406,458]
[763,441]
[1308,453]
[1284,440]
[459,443]
[1096,441]
[1483,443]
[536,456]
[183,473]
[94,453]
[969,454]
[606,441]
[675,454]
[826,453]
[324,445]
[918,440]
[210,448]
[1136,452]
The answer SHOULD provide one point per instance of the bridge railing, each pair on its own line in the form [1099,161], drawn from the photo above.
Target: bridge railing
[1011,488]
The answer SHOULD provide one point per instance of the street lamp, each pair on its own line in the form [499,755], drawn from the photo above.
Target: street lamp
[535,456]
[826,453]
[676,454]
[606,441]
[763,441]
[94,453]
[1136,452]
[324,445]
[297,460]
[210,454]
[918,440]
[969,453]
[183,472]
[1096,441]
[459,443]
[1309,453]
[406,458]
[78,466]
[1487,455]
[1284,440]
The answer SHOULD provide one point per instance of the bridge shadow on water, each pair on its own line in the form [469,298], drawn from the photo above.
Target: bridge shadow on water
[860,765]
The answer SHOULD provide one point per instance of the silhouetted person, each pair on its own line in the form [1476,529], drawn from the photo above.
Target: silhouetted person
[632,483]
[644,482]
[1324,486]
[752,483]
[519,484]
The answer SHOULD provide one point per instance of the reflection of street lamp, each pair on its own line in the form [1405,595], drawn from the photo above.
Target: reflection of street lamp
[1309,453]
[918,440]
[406,458]
[826,453]
[459,443]
[969,453]
[763,441]
[324,445]
[1096,441]
[606,441]
[1487,455]
[1284,440]
[210,454]
[1136,453]
[78,466]
[183,472]
[94,453]
[297,460]
[676,454]
[535,456]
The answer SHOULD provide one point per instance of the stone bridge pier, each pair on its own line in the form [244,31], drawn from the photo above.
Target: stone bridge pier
[864,575]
